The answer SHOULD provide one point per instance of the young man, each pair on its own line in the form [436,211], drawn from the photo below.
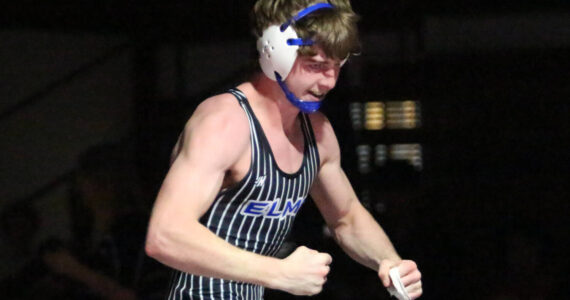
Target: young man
[247,159]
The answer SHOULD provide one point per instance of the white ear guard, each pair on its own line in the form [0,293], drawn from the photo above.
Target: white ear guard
[275,54]
[278,44]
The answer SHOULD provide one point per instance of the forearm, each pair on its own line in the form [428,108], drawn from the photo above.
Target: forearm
[177,239]
[198,251]
[362,238]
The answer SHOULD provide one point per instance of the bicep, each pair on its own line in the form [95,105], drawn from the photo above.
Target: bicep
[207,148]
[188,188]
[331,191]
[333,194]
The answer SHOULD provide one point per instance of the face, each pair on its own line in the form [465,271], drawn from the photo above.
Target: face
[312,77]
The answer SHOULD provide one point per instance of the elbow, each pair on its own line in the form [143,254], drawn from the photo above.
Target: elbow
[343,228]
[151,248]
[155,245]
[165,244]
[339,233]
[168,247]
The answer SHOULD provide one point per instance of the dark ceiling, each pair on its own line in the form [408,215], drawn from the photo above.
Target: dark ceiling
[217,19]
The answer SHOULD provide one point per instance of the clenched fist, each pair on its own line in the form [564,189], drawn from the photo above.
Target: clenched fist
[303,272]
[409,275]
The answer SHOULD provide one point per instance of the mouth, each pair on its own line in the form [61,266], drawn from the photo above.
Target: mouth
[317,96]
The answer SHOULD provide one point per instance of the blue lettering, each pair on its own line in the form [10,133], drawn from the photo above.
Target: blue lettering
[270,209]
[271,213]
[255,208]
[294,208]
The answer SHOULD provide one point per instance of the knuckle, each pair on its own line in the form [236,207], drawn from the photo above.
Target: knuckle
[317,290]
[326,258]
[413,264]
[415,276]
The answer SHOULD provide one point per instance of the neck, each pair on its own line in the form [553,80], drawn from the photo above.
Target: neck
[270,98]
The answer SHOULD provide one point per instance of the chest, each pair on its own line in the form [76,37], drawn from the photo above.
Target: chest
[287,152]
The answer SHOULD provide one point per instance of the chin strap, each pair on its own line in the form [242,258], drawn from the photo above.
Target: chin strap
[303,105]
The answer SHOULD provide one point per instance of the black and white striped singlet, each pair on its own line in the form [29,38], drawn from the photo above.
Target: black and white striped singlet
[256,214]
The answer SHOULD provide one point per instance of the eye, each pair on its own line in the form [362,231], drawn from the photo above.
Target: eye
[316,66]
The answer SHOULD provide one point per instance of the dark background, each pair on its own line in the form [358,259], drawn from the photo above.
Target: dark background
[484,218]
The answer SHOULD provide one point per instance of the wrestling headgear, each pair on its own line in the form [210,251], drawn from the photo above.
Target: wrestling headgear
[277,49]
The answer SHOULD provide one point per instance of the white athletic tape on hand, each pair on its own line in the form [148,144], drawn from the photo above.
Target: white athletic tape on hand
[397,289]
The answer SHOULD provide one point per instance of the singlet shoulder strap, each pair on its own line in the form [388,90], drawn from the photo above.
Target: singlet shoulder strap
[242,99]
[244,103]
[240,96]
[311,149]
[311,141]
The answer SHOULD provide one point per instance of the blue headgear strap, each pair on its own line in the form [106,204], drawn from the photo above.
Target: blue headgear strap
[303,13]
[300,42]
[305,106]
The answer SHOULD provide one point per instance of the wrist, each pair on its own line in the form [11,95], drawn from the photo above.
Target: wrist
[274,274]
[395,258]
[391,260]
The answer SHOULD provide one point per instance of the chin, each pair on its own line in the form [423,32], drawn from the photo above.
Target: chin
[310,98]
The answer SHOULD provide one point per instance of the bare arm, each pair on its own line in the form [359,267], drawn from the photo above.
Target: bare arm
[354,229]
[215,138]
[210,144]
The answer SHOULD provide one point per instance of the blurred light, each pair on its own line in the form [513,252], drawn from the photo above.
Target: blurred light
[371,201]
[380,155]
[412,153]
[374,115]
[356,115]
[365,198]
[363,158]
[379,207]
[403,114]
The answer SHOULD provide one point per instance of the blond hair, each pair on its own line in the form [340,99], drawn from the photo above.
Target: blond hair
[334,30]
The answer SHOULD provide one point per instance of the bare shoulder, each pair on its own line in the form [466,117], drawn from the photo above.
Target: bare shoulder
[218,127]
[221,111]
[326,139]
